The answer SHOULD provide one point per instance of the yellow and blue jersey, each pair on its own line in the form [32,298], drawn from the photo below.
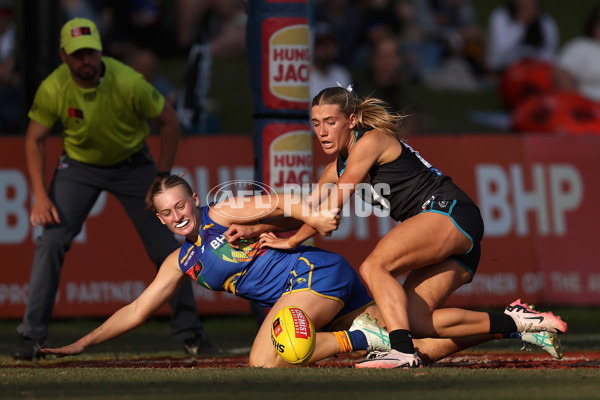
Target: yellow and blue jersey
[265,275]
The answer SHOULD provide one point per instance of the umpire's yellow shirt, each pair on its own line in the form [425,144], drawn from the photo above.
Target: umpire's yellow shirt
[102,125]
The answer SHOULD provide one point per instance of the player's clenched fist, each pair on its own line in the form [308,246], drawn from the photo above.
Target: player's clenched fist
[325,221]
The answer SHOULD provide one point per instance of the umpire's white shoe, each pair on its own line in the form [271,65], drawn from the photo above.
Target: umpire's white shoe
[548,341]
[377,337]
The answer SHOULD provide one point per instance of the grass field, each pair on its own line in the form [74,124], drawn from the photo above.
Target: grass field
[146,364]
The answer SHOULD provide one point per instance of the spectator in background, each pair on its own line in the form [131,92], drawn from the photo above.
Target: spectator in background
[346,21]
[380,20]
[325,72]
[384,76]
[518,30]
[145,62]
[83,9]
[578,63]
[449,30]
[10,93]
[103,106]
[209,28]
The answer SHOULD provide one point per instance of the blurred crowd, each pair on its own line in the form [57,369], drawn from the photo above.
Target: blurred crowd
[378,46]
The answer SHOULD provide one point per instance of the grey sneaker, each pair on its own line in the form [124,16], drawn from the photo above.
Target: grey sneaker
[28,349]
[391,359]
[548,341]
[377,337]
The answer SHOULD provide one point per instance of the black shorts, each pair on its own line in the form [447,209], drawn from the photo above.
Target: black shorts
[467,218]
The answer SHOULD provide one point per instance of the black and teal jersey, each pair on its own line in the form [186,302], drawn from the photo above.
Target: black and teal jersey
[404,186]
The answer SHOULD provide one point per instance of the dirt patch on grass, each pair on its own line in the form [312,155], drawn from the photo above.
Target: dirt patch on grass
[461,360]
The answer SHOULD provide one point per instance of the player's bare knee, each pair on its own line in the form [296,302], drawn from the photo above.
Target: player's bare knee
[366,270]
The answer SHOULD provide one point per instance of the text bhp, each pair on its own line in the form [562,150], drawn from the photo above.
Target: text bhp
[506,200]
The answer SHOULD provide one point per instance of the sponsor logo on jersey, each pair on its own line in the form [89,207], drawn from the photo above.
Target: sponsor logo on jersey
[189,257]
[75,113]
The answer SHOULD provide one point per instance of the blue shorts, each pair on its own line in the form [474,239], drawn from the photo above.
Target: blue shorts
[467,218]
[328,275]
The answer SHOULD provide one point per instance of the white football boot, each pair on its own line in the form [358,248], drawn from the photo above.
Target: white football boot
[548,341]
[377,337]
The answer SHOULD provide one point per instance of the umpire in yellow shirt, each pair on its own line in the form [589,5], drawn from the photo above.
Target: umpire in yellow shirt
[103,106]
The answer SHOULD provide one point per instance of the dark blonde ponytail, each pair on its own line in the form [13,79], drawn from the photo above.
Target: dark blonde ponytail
[371,113]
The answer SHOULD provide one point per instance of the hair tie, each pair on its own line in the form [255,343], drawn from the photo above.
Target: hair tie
[348,88]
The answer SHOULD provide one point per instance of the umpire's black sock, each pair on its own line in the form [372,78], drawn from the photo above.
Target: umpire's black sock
[401,340]
[502,323]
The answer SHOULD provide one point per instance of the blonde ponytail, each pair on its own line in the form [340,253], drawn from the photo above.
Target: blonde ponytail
[371,113]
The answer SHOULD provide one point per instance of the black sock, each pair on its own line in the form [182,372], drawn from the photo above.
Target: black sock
[401,340]
[502,323]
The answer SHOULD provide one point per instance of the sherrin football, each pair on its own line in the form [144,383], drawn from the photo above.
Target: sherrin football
[293,335]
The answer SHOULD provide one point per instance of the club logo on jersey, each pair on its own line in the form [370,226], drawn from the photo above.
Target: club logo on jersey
[195,270]
[81,30]
[75,113]
[300,281]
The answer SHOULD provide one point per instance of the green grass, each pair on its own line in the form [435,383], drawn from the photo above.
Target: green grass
[152,337]
[25,380]
[307,383]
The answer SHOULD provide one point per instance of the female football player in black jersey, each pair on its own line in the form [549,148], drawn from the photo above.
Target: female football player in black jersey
[437,243]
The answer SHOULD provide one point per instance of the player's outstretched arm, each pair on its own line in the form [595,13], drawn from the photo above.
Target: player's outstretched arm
[167,282]
[241,210]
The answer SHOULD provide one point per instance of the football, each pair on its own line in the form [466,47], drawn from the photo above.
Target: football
[293,335]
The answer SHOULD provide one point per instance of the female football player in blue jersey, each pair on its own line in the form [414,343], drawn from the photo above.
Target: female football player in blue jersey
[437,243]
[319,282]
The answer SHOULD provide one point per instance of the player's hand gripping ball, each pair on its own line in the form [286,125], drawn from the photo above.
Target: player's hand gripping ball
[293,335]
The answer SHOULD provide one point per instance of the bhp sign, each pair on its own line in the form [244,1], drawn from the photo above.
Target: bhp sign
[538,196]
[505,202]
